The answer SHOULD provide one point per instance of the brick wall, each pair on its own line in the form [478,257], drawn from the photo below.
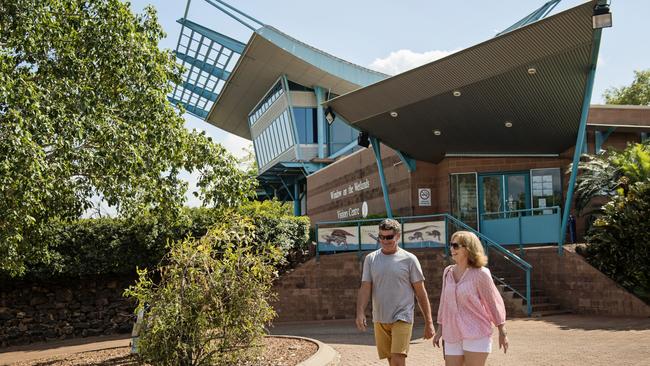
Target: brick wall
[45,311]
[328,289]
[574,283]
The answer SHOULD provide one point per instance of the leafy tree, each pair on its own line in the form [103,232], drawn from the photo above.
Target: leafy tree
[638,93]
[83,113]
[211,304]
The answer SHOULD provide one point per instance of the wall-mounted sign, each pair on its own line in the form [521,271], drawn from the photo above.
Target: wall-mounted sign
[350,189]
[424,196]
[338,239]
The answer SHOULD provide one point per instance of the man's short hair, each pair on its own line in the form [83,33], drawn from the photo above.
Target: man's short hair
[390,224]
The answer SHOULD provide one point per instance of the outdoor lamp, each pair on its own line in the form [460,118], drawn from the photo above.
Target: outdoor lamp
[329,115]
[602,17]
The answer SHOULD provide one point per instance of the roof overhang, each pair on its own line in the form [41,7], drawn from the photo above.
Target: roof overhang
[496,86]
[270,54]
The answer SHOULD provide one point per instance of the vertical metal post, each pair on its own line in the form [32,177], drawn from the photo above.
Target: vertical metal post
[529,305]
[599,142]
[446,237]
[582,129]
[644,136]
[296,199]
[320,121]
[359,236]
[401,223]
[382,178]
[317,244]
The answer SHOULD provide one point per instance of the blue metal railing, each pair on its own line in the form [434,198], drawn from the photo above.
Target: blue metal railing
[447,220]
[523,227]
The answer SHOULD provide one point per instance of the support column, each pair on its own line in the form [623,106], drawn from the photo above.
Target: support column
[582,129]
[320,121]
[296,199]
[382,178]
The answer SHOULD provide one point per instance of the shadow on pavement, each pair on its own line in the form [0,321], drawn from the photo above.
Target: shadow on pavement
[590,322]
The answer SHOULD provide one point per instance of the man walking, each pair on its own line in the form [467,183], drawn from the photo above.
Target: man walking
[393,276]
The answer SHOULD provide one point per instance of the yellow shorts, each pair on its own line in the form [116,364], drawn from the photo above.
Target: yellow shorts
[392,338]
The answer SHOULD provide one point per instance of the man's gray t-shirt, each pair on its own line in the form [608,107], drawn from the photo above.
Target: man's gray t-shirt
[391,276]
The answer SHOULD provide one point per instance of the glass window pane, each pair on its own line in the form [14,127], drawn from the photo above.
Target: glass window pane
[463,198]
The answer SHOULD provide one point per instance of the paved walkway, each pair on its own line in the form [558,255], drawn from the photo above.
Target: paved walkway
[566,340]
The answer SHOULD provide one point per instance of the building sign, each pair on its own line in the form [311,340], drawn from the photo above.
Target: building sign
[350,189]
[424,196]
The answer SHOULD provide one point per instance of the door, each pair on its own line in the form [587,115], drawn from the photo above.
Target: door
[501,193]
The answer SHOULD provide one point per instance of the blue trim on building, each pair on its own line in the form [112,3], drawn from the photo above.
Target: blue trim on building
[211,69]
[189,108]
[376,147]
[230,43]
[582,131]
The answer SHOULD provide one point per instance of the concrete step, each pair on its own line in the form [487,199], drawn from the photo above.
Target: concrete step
[539,314]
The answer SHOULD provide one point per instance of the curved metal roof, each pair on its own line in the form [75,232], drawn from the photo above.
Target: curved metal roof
[268,55]
[534,77]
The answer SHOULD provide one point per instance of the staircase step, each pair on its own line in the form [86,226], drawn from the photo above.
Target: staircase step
[539,314]
[546,307]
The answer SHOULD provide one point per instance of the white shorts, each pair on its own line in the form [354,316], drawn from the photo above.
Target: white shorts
[482,345]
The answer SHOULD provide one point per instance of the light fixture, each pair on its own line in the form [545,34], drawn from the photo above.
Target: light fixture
[508,124]
[329,115]
[437,132]
[363,139]
[532,71]
[456,93]
[393,114]
[602,17]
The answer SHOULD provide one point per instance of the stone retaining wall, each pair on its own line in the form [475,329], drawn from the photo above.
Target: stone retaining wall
[44,311]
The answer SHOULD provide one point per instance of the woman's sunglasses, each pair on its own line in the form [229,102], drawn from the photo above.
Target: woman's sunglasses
[456,246]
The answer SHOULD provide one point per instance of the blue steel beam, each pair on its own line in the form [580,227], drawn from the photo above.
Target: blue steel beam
[296,198]
[582,129]
[229,43]
[532,17]
[211,69]
[189,108]
[408,161]
[344,149]
[382,178]
[601,137]
[200,91]
[320,121]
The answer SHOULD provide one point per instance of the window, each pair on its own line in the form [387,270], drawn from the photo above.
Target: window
[546,188]
[340,135]
[463,198]
[306,125]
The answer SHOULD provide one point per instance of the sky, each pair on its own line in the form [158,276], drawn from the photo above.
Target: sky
[392,37]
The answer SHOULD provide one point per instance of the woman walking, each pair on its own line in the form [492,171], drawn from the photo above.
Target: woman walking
[469,305]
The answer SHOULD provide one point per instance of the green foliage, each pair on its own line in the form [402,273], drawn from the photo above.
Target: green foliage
[619,240]
[104,246]
[212,302]
[638,93]
[83,113]
[605,174]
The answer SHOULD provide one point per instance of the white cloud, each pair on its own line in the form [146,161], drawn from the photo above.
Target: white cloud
[402,60]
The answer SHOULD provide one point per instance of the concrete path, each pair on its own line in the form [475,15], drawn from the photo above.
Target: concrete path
[565,340]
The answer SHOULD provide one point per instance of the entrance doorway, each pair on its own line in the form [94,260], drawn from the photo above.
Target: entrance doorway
[501,193]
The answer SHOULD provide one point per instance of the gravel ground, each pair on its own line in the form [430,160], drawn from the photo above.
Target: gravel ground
[277,352]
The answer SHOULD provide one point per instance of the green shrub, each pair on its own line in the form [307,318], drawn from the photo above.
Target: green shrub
[619,240]
[90,247]
[212,302]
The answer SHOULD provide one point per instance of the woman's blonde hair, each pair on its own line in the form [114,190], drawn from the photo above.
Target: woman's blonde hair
[469,240]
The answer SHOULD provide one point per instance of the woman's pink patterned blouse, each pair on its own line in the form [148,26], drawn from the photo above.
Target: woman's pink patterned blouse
[469,308]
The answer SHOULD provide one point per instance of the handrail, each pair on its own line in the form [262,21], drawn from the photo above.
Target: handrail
[516,260]
[523,210]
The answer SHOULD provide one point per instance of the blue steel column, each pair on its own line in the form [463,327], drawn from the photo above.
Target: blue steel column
[320,120]
[382,178]
[581,137]
[296,198]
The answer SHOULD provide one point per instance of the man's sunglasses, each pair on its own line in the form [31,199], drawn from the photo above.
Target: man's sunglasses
[386,237]
[456,246]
